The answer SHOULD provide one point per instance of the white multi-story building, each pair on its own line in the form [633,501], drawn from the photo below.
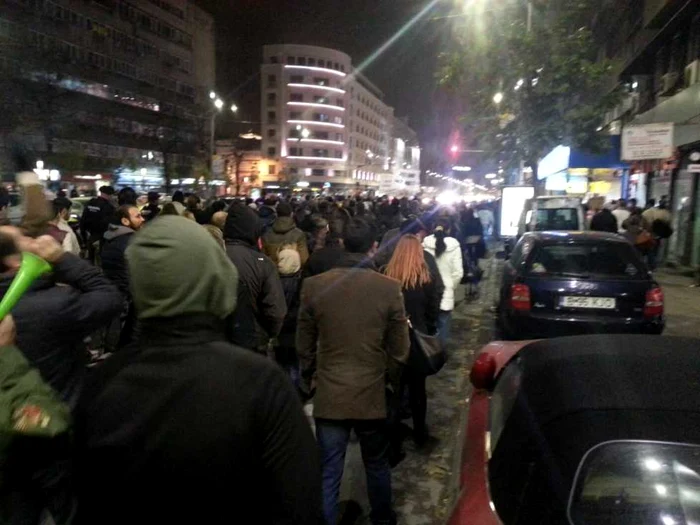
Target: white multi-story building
[403,175]
[324,122]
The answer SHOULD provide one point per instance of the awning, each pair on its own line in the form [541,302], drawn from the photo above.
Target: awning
[564,158]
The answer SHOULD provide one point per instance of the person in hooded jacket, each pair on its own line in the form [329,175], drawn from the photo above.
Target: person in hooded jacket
[262,307]
[284,232]
[448,255]
[289,268]
[151,210]
[267,214]
[127,221]
[184,427]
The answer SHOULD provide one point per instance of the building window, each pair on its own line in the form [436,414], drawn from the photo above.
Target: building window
[273,60]
[296,97]
[271,117]
[320,152]
[322,135]
[321,63]
[271,151]
[271,80]
[339,173]
[294,171]
[339,137]
[296,79]
[338,154]
[296,152]
[301,61]
[321,117]
[271,99]
[294,115]
[339,102]
[320,81]
[271,169]
[290,60]
[342,68]
[312,62]
[271,133]
[320,99]
[318,173]
[336,66]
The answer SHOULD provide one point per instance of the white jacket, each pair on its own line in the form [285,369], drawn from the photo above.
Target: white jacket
[450,266]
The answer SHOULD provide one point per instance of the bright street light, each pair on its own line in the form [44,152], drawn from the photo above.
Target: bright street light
[454,149]
[212,95]
[234,108]
[490,176]
[219,103]
[498,98]
[305,133]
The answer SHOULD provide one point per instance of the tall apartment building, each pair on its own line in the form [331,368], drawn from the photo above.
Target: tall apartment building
[657,44]
[126,81]
[403,174]
[323,121]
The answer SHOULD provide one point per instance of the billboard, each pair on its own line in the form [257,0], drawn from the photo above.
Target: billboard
[648,142]
[512,205]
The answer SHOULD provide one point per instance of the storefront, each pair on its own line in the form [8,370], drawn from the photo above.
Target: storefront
[573,172]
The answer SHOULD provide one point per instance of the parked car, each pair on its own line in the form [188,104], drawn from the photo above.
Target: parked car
[584,430]
[552,214]
[568,283]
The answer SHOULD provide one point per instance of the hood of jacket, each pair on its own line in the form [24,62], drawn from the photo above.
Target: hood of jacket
[451,243]
[117,230]
[242,224]
[176,268]
[283,225]
[266,212]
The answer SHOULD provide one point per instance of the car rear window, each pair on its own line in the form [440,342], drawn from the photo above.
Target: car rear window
[637,483]
[557,219]
[601,260]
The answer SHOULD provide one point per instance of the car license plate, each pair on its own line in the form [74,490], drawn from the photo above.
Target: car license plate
[598,303]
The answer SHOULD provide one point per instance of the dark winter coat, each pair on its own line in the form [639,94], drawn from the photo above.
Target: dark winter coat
[604,221]
[116,241]
[291,284]
[352,335]
[97,215]
[323,260]
[283,232]
[268,216]
[52,321]
[187,428]
[258,275]
[150,211]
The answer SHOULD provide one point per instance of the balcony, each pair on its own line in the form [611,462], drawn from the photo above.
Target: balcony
[315,68]
[316,123]
[318,105]
[316,87]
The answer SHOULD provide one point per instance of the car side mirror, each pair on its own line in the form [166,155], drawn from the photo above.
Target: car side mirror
[483,372]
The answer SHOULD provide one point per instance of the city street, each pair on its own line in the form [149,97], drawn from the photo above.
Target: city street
[425,482]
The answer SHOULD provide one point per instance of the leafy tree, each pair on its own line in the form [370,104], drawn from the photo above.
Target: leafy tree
[555,88]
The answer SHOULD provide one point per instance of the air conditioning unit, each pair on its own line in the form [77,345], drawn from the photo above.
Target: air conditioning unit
[692,74]
[668,83]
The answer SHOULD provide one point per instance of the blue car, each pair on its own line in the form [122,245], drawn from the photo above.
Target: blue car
[570,283]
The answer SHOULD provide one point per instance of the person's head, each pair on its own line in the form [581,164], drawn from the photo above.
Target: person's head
[663,205]
[633,204]
[178,196]
[414,226]
[160,260]
[358,237]
[219,219]
[153,197]
[284,209]
[192,203]
[442,230]
[127,196]
[106,192]
[270,200]
[242,224]
[288,261]
[61,208]
[621,204]
[407,265]
[651,203]
[129,216]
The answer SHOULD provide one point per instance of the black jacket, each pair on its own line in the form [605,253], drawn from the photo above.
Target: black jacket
[113,260]
[323,260]
[52,321]
[150,211]
[258,275]
[186,428]
[96,217]
[604,221]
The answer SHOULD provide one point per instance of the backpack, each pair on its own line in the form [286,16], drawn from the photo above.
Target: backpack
[662,229]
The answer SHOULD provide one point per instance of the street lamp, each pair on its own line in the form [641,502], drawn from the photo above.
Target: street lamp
[234,108]
[498,98]
[305,133]
[454,149]
[212,95]
[219,103]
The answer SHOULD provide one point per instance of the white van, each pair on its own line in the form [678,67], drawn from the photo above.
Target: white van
[552,214]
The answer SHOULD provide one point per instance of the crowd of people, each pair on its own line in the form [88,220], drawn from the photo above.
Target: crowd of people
[645,228]
[219,322]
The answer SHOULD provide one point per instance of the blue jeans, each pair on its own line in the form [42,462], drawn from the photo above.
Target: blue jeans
[333,437]
[444,325]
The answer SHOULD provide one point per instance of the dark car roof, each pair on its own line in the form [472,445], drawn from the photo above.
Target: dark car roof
[612,372]
[575,236]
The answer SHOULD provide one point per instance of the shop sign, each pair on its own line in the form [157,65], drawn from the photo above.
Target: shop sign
[651,141]
[694,168]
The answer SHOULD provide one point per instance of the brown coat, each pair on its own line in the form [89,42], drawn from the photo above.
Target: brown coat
[352,332]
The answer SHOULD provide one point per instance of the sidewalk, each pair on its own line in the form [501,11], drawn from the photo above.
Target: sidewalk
[682,304]
[425,483]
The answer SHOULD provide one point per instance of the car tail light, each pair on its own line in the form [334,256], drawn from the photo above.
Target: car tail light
[654,305]
[483,371]
[520,297]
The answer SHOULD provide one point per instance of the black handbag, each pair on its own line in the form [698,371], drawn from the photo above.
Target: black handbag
[427,353]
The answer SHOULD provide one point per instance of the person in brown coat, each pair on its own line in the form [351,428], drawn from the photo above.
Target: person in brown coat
[352,335]
[284,232]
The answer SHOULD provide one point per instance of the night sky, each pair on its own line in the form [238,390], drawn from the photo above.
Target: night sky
[405,72]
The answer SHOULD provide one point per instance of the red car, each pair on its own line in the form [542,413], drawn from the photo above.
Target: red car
[599,429]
